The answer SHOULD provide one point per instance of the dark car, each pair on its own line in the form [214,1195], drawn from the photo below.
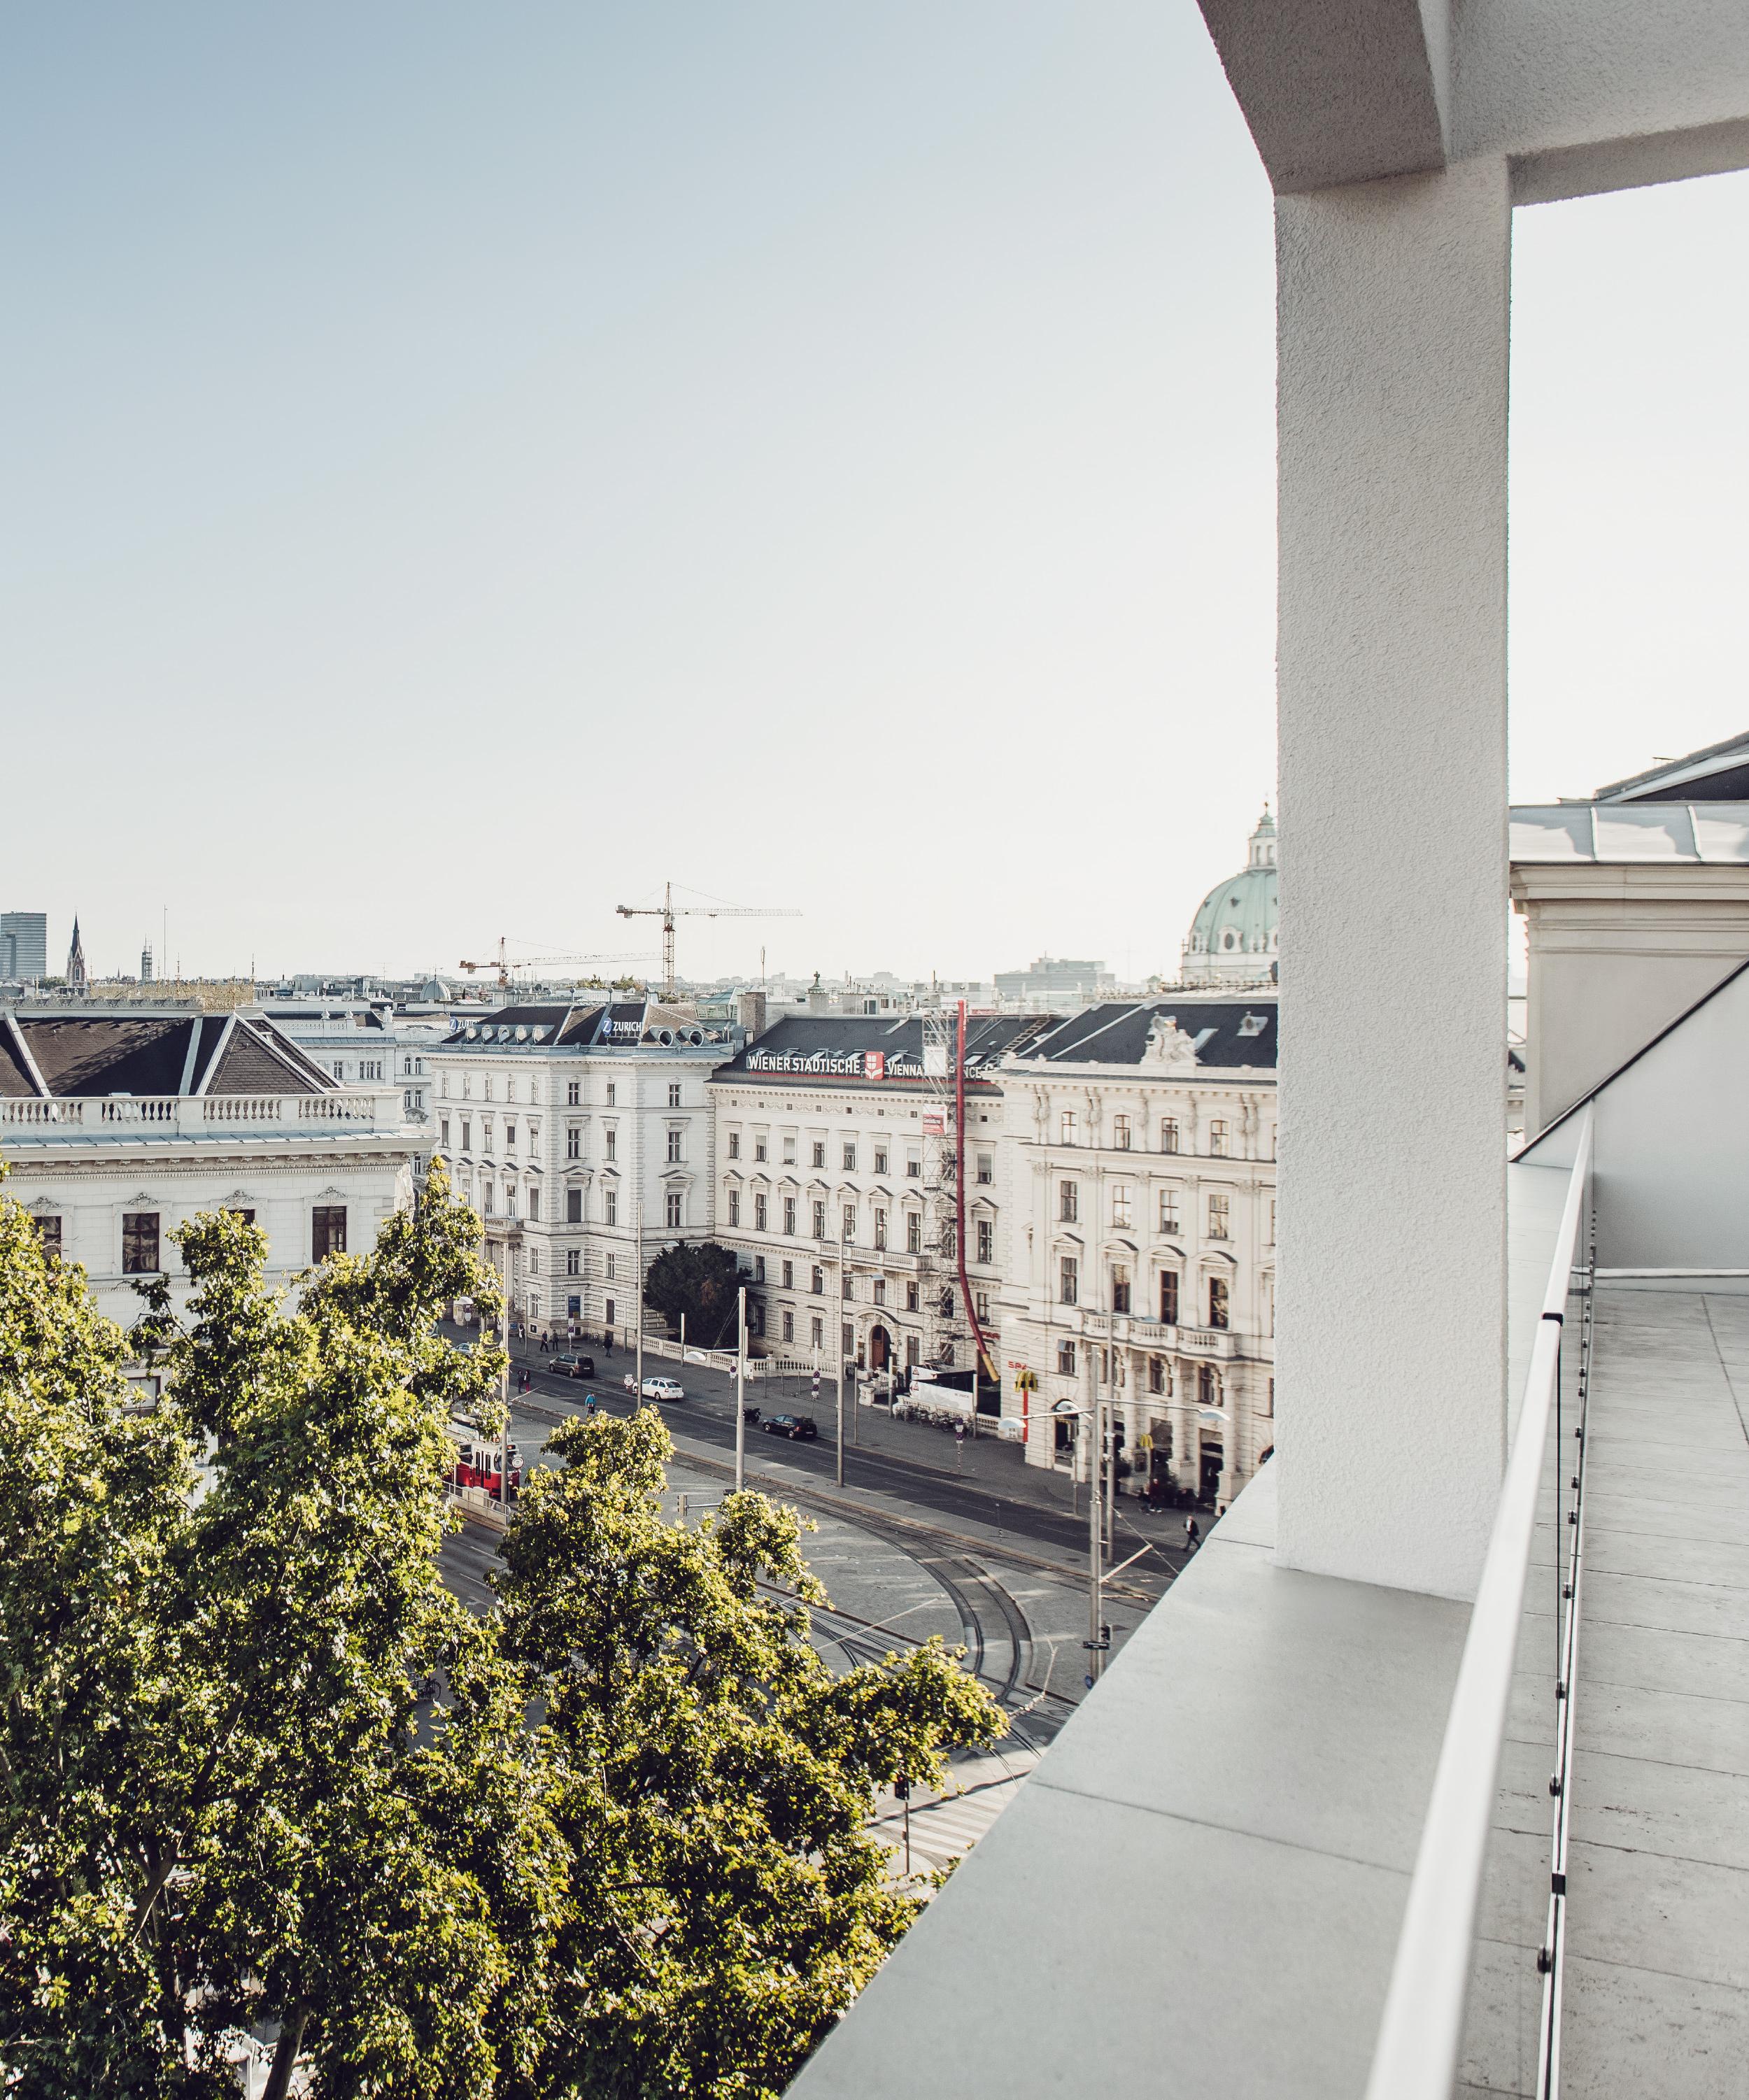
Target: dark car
[789,1425]
[574,1367]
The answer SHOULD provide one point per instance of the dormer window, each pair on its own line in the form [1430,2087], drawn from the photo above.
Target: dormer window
[1254,1023]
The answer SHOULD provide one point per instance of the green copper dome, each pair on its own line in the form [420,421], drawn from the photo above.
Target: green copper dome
[1233,933]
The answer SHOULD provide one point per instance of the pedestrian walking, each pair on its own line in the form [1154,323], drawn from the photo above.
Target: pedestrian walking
[543,1341]
[1191,1534]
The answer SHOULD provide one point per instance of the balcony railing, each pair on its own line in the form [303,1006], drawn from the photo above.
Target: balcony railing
[1421,2034]
[198,1116]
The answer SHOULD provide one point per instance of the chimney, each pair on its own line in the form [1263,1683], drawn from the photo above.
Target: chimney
[750,1012]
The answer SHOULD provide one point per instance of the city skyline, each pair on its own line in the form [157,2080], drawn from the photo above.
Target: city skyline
[462,489]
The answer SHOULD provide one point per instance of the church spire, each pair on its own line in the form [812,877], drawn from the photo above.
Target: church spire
[78,978]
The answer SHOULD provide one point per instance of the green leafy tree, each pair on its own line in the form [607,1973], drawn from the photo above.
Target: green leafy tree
[701,1280]
[258,1768]
[713,1779]
[259,1765]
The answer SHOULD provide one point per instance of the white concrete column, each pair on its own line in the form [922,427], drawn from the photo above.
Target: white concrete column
[1391,1319]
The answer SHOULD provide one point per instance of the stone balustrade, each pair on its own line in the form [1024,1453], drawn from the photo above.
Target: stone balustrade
[169,1115]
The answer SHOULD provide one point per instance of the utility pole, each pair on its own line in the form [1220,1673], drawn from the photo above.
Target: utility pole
[740,1396]
[637,1296]
[841,1354]
[504,1395]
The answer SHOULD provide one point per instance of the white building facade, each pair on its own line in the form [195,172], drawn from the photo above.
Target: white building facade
[835,1188]
[118,1126]
[370,1043]
[1140,1141]
[582,1134]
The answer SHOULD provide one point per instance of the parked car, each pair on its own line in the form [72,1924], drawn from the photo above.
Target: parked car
[664,1388]
[574,1367]
[789,1425]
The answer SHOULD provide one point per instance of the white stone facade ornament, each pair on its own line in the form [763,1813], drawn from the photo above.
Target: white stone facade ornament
[1167,1043]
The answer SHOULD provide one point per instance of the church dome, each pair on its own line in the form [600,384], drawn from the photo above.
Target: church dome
[1233,936]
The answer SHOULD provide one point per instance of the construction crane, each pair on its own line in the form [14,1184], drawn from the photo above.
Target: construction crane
[668,911]
[506,963]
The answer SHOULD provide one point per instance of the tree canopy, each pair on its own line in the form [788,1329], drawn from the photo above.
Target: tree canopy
[701,1280]
[259,1768]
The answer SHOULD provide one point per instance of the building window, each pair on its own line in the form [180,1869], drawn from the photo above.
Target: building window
[847,1339]
[880,1229]
[1208,1380]
[534,1202]
[819,1153]
[534,1135]
[1169,1298]
[1119,1288]
[1066,1360]
[846,1286]
[573,1093]
[445,1087]
[787,1275]
[1120,1133]
[609,1311]
[880,1160]
[612,1137]
[611,1267]
[758,1268]
[879,1292]
[1068,1201]
[1120,1217]
[913,1166]
[1217,1139]
[850,1221]
[819,1221]
[574,1141]
[817,1334]
[1271,1241]
[573,1207]
[672,1210]
[328,1231]
[1169,1211]
[789,1213]
[1168,1134]
[442,1131]
[610,1206]
[789,1150]
[49,1231]
[735,1207]
[1069,1127]
[467,1086]
[1156,1374]
[613,1092]
[510,1137]
[488,1086]
[817,1283]
[983,1307]
[850,1157]
[1220,1209]
[913,1298]
[789,1324]
[913,1232]
[735,1144]
[1217,1301]
[534,1261]
[674,1093]
[673,1147]
[467,1135]
[985,1242]
[760,1214]
[488,1201]
[985,1168]
[1069,1280]
[573,1261]
[139,1243]
[759,1148]
[913,1351]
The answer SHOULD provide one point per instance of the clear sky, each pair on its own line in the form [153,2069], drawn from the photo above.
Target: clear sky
[466,465]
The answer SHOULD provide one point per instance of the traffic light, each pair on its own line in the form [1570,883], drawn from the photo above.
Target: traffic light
[901,1789]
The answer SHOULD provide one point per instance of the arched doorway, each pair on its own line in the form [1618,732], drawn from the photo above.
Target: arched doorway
[880,1348]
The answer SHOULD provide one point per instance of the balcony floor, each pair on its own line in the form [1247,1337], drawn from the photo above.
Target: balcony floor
[1658,1956]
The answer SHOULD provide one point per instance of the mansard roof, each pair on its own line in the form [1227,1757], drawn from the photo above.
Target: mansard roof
[571,1024]
[1228,1034]
[126,1052]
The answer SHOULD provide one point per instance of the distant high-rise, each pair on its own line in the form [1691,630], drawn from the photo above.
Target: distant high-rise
[78,978]
[145,964]
[23,944]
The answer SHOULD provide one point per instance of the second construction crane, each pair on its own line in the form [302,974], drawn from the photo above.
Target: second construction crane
[668,911]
